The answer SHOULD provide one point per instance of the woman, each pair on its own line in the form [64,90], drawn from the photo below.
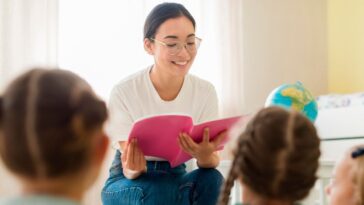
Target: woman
[52,136]
[275,160]
[165,87]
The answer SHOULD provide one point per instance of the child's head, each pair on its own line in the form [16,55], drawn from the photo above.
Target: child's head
[347,186]
[276,158]
[51,127]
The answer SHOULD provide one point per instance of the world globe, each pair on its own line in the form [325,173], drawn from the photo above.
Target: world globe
[294,96]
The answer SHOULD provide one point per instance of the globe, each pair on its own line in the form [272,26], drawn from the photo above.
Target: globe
[294,96]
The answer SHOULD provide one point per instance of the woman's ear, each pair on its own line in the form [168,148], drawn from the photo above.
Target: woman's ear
[148,46]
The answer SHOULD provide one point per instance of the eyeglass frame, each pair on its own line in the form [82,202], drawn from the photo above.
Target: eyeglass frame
[184,45]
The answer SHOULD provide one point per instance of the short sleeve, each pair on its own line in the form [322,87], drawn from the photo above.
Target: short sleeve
[120,121]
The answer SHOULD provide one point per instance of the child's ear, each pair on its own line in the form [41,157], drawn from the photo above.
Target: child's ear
[148,46]
[101,148]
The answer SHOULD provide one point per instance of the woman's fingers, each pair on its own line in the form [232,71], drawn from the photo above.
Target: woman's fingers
[206,136]
[139,158]
[124,156]
[132,157]
[217,141]
[135,152]
[184,144]
[189,142]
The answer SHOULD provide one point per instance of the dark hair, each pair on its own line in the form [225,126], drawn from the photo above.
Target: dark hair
[161,13]
[276,156]
[48,117]
[357,155]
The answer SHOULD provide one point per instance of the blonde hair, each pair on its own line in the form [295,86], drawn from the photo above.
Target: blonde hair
[276,156]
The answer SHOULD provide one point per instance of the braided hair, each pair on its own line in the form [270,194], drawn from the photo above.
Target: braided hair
[276,156]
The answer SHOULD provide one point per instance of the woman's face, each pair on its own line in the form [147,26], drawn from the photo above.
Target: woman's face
[171,34]
[341,189]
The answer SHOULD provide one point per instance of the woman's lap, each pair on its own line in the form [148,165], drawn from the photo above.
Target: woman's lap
[161,186]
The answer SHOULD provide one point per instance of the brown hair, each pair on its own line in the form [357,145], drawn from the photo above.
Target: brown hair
[47,117]
[276,156]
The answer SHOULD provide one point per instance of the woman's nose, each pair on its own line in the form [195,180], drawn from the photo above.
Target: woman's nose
[184,52]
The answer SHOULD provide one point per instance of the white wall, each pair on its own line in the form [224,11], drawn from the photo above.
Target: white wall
[8,184]
[284,42]
[28,36]
[1,45]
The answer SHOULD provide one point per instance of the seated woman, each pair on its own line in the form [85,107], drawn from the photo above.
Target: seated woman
[275,160]
[52,136]
[347,186]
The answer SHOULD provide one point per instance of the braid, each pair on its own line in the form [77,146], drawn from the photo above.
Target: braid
[31,124]
[283,154]
[277,156]
[88,113]
[233,174]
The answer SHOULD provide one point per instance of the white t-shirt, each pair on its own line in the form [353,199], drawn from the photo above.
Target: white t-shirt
[135,97]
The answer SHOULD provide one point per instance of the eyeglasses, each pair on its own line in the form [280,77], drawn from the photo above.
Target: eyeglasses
[358,152]
[175,47]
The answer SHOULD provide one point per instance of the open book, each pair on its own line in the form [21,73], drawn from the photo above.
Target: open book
[158,136]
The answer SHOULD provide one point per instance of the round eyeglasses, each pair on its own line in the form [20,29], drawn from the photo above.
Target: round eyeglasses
[175,47]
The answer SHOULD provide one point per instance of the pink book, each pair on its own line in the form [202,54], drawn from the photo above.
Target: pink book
[158,136]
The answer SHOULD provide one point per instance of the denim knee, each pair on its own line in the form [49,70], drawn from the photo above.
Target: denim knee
[210,177]
[129,195]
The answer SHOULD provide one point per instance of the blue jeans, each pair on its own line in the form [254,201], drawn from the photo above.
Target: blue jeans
[162,184]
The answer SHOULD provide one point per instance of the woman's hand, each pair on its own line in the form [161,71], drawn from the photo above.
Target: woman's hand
[205,151]
[132,159]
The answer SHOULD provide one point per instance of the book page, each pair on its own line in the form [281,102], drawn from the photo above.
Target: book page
[158,136]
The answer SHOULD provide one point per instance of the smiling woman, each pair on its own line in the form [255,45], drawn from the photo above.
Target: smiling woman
[164,87]
[108,46]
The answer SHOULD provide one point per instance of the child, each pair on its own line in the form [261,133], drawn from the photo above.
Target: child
[347,186]
[276,159]
[52,136]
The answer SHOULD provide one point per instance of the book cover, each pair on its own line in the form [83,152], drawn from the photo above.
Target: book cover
[158,135]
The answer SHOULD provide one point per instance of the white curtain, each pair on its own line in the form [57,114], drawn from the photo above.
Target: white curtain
[230,29]
[28,36]
[28,31]
[104,44]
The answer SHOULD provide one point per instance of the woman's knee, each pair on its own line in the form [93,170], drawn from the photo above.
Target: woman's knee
[113,195]
[209,176]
